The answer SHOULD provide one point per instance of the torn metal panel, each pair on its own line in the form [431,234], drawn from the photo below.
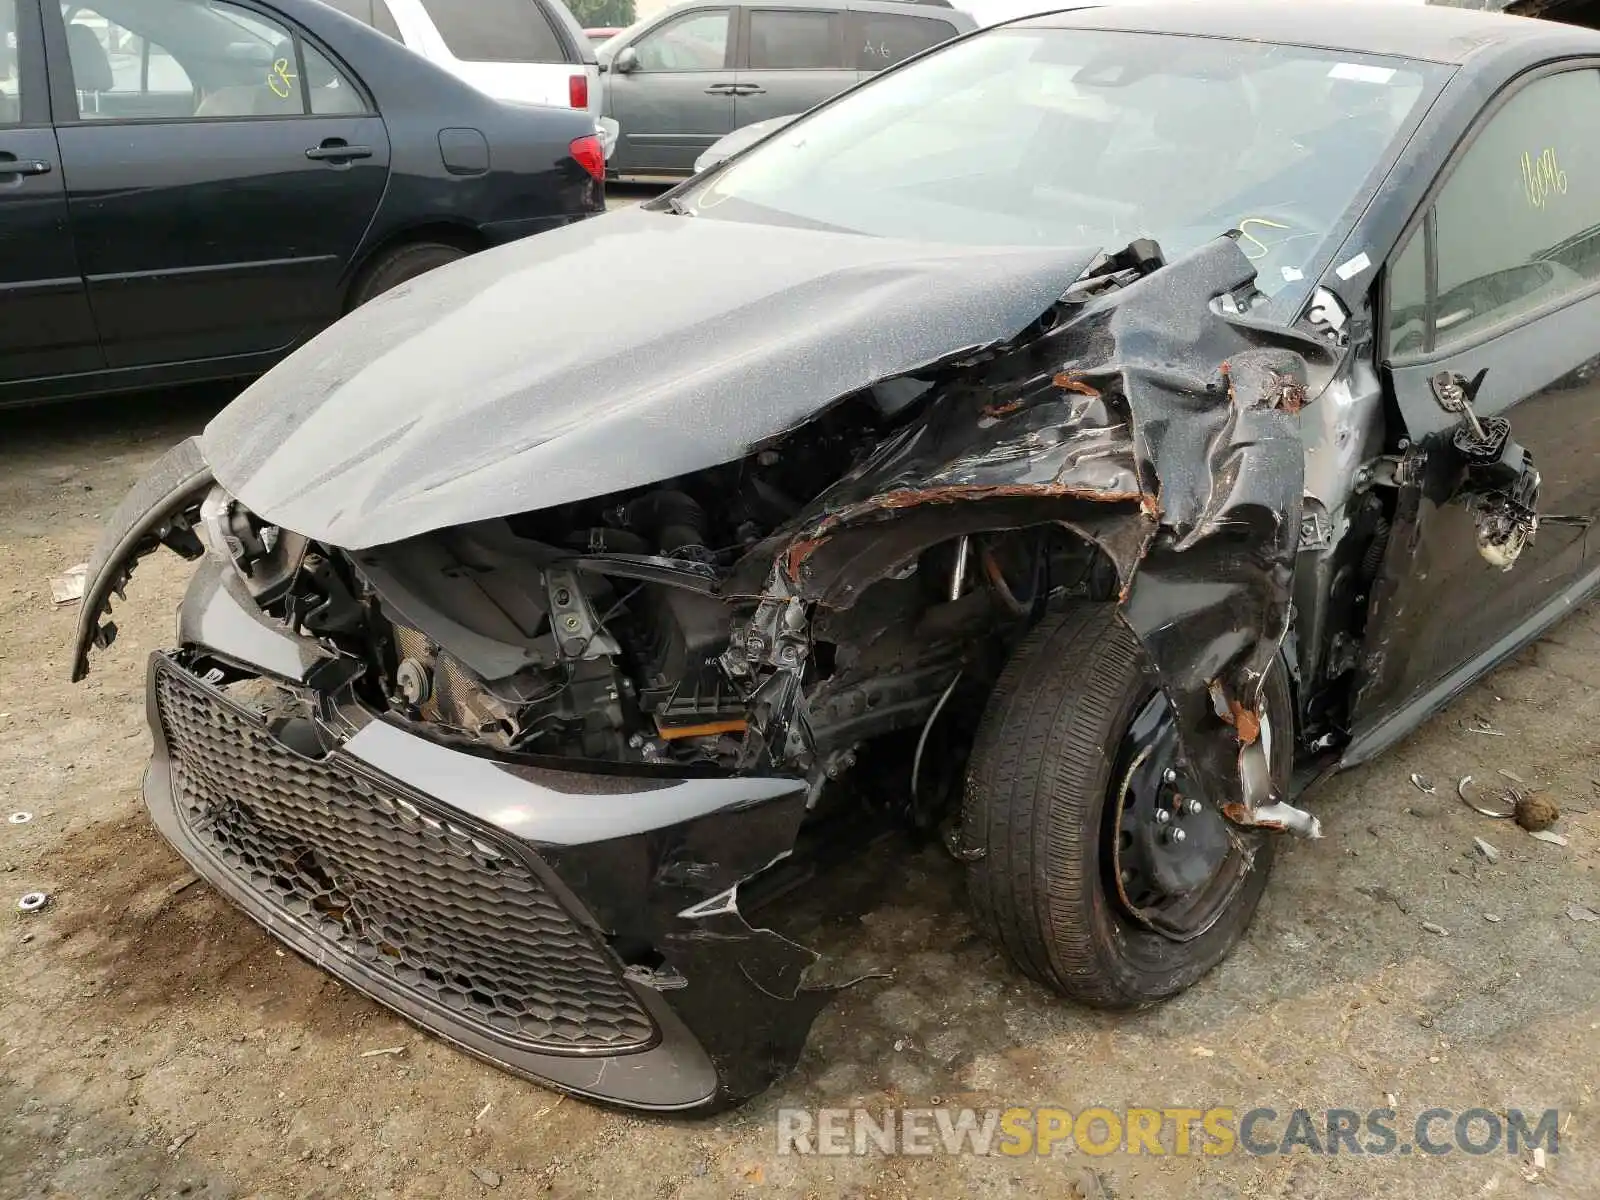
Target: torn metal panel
[1154,422]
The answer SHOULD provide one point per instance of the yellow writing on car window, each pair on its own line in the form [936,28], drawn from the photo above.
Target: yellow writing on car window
[281,80]
[1542,177]
[1261,248]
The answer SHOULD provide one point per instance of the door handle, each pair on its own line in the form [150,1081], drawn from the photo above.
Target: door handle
[11,165]
[723,89]
[338,151]
[749,89]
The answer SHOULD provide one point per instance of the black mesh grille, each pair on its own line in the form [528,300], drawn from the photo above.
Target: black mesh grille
[431,906]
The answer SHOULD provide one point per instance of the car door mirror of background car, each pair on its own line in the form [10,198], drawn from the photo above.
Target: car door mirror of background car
[626,61]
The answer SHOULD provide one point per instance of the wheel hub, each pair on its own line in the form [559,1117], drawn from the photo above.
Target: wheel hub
[1170,844]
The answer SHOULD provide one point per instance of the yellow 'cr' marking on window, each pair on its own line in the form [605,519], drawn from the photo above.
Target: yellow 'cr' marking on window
[1542,177]
[1247,236]
[281,80]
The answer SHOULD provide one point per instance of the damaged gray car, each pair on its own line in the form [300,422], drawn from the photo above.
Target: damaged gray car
[1071,444]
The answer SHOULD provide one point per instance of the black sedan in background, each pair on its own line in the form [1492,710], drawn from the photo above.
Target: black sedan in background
[190,188]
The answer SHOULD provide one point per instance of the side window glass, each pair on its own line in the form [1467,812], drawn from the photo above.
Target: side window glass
[1408,298]
[694,42]
[792,40]
[883,39]
[329,89]
[1518,220]
[220,60]
[106,57]
[10,68]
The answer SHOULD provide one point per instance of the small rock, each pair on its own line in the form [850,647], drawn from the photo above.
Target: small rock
[1582,912]
[1534,813]
[489,1179]
[1430,927]
[1492,918]
[1490,854]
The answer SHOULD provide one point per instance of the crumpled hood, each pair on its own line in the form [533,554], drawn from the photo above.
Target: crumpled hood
[603,355]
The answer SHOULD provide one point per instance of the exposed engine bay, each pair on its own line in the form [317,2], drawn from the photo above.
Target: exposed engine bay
[611,630]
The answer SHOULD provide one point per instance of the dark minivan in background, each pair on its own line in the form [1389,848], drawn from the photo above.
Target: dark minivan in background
[679,82]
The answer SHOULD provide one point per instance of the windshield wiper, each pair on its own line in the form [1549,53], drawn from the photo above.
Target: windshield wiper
[1107,272]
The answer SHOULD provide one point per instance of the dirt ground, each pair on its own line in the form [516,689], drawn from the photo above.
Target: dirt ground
[154,1042]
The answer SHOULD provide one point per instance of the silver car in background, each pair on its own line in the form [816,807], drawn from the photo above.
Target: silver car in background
[679,82]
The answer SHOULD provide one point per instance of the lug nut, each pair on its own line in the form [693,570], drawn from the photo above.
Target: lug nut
[1194,806]
[1169,776]
[1162,816]
[1178,835]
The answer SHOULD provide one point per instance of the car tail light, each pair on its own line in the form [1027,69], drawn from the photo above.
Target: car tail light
[578,91]
[589,155]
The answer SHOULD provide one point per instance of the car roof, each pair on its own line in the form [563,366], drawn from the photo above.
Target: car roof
[1435,33]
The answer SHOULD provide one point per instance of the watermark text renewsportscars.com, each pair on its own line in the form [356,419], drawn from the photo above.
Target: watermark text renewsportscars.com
[1165,1131]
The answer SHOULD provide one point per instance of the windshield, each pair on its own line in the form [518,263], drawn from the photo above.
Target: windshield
[1085,138]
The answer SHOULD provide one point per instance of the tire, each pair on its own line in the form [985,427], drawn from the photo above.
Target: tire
[1043,773]
[396,266]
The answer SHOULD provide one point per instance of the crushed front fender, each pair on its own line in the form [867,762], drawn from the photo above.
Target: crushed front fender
[160,510]
[1158,422]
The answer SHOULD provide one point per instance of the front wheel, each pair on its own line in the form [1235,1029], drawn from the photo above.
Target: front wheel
[1101,874]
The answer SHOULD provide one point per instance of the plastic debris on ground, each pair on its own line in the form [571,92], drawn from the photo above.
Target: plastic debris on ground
[67,587]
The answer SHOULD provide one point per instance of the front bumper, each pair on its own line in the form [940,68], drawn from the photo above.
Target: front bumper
[582,930]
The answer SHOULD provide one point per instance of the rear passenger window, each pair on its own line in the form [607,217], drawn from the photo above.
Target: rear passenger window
[793,40]
[1518,219]
[327,88]
[496,30]
[882,39]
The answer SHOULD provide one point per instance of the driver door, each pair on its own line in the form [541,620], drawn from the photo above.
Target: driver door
[1500,275]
